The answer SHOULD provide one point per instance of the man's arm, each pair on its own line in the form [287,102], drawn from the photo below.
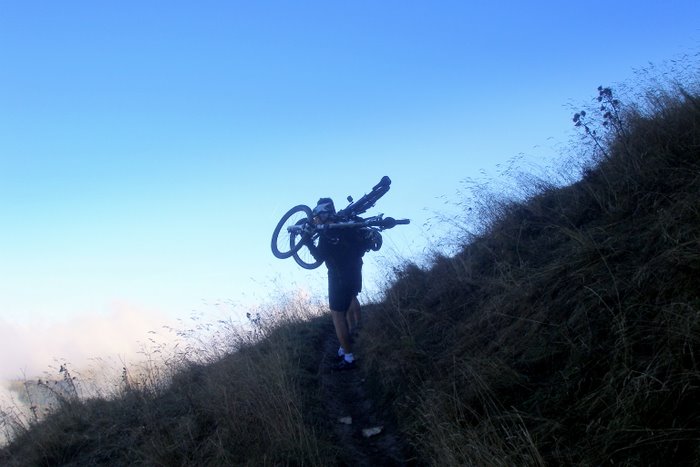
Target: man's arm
[318,252]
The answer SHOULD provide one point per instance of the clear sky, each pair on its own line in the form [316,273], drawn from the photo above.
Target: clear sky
[147,149]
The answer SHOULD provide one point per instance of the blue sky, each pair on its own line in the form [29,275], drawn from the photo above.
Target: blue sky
[147,149]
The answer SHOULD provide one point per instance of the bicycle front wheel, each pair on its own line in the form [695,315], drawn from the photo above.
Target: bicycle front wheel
[303,256]
[283,245]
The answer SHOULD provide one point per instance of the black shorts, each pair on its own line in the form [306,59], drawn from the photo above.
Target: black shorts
[342,288]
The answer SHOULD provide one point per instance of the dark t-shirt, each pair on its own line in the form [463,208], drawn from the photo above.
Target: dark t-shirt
[342,251]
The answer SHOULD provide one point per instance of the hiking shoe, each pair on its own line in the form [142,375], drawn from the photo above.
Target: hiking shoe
[344,365]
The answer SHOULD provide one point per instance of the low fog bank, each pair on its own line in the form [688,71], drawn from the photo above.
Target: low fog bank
[37,349]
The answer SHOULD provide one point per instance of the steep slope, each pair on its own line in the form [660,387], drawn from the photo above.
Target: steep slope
[568,331]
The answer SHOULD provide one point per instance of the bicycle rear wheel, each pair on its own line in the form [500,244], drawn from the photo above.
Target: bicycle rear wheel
[303,256]
[283,245]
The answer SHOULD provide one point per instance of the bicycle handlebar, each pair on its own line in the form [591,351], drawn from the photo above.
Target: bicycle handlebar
[368,200]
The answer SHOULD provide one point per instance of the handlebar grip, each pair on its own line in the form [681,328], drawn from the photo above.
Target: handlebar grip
[390,222]
[384,182]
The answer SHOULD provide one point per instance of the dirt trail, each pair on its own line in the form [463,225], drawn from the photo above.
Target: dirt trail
[348,401]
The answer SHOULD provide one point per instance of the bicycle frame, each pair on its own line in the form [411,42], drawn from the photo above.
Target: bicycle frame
[302,230]
[378,222]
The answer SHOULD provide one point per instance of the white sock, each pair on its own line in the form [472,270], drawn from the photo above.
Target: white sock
[341,352]
[349,357]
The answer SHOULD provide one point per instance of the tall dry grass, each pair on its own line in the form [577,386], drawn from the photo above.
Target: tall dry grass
[245,400]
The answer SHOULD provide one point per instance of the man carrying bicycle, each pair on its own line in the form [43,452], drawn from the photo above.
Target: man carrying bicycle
[342,251]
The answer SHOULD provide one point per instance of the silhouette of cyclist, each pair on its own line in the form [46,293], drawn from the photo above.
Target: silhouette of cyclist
[342,251]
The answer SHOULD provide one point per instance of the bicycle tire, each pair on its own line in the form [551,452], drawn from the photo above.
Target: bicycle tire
[303,256]
[279,245]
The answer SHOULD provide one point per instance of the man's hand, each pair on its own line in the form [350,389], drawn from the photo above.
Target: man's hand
[307,230]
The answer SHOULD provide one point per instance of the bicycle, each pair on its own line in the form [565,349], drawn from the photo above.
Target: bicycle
[299,225]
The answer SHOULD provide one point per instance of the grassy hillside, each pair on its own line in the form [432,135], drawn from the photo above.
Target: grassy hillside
[565,331]
[568,330]
[256,405]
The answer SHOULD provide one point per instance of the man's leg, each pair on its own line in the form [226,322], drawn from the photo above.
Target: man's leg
[353,315]
[341,330]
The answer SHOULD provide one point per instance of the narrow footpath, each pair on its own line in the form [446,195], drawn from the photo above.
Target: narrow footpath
[368,438]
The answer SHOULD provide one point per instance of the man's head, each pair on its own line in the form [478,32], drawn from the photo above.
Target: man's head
[324,210]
